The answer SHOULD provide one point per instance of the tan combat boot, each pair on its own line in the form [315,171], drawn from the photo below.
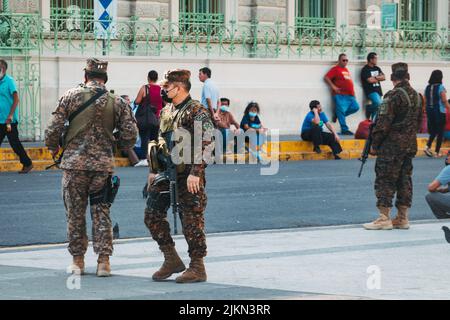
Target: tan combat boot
[172,264]
[195,273]
[402,221]
[77,266]
[383,222]
[103,266]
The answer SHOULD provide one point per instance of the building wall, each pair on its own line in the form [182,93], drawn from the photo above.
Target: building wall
[265,11]
[283,88]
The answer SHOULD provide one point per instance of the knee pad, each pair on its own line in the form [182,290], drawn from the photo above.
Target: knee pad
[158,201]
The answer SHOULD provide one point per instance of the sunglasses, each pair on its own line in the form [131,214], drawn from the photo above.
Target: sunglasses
[345,60]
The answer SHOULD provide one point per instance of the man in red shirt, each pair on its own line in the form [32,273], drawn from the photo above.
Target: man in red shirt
[340,81]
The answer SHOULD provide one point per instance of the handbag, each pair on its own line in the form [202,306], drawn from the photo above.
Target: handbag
[146,113]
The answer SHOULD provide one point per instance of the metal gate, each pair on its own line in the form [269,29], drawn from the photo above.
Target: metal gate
[20,47]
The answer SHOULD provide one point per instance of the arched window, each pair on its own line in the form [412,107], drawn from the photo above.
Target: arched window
[201,16]
[418,15]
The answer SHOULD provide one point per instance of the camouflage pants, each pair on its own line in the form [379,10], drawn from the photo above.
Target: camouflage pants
[191,213]
[77,185]
[393,176]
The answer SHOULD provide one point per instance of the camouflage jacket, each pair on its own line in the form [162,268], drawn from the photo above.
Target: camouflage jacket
[92,149]
[398,122]
[191,117]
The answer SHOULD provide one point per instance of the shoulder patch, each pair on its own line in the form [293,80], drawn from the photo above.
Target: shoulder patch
[384,106]
[200,116]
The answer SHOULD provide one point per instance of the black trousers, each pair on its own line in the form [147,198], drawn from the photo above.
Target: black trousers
[147,136]
[436,127]
[318,137]
[16,145]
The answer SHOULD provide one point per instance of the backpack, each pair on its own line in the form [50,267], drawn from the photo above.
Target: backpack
[363,130]
[146,113]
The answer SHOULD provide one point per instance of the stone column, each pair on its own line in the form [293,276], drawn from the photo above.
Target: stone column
[44,9]
[231,11]
[174,15]
[290,18]
[442,18]
[341,9]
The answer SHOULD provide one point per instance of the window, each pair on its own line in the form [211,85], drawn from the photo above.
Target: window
[201,16]
[417,15]
[72,15]
[314,17]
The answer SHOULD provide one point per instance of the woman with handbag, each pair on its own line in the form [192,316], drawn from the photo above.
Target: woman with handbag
[149,103]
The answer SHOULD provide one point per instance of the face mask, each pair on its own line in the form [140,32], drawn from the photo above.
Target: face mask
[224,108]
[252,114]
[165,95]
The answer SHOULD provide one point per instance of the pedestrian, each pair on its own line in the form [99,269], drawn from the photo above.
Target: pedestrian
[9,117]
[182,115]
[439,197]
[371,78]
[312,130]
[395,145]
[88,163]
[210,93]
[149,103]
[340,81]
[226,120]
[253,127]
[436,107]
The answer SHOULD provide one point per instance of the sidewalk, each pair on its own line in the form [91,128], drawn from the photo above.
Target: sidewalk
[313,263]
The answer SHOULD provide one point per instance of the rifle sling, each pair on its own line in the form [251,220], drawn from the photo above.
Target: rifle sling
[86,105]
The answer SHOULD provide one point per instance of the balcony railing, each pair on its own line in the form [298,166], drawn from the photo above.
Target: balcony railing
[201,23]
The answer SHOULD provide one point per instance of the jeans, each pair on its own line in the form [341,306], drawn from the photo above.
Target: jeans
[372,109]
[345,105]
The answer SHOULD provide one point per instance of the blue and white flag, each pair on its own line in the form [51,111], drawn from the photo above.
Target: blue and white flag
[105,14]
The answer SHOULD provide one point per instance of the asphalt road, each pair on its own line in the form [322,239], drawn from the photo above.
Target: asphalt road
[311,193]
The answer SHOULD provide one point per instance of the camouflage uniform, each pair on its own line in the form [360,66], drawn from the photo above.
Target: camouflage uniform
[395,142]
[88,161]
[191,206]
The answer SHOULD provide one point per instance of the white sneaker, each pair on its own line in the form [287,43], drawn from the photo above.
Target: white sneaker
[428,152]
[142,163]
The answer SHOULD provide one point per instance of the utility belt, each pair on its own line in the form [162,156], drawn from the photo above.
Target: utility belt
[108,193]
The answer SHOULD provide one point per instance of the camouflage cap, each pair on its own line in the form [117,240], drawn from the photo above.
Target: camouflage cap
[178,75]
[96,65]
[400,67]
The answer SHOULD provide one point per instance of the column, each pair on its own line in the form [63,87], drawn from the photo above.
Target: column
[341,10]
[290,18]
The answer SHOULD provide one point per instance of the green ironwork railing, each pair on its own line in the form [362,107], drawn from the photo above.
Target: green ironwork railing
[20,45]
[202,23]
[418,25]
[135,37]
[315,27]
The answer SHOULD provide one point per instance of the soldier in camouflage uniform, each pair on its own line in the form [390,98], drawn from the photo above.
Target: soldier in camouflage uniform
[395,145]
[88,162]
[183,113]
